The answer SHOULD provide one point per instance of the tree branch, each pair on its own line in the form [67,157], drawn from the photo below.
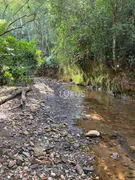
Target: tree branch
[40,5]
[24,16]
[19,19]
[6,7]
[21,7]
[18,27]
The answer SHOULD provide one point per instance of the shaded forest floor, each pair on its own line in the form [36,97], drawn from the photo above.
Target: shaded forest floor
[41,141]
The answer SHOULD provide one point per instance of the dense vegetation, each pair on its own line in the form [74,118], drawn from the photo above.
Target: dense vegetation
[18,60]
[91,42]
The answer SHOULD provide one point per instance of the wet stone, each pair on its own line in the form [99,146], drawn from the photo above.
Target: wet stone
[93,133]
[88,169]
[115,156]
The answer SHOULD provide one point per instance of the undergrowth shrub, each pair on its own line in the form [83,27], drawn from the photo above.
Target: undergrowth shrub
[18,60]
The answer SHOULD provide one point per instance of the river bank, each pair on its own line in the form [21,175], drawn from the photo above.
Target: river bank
[120,83]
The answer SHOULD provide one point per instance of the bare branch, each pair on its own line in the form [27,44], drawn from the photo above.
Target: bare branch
[21,7]
[25,15]
[19,19]
[18,27]
[6,7]
[22,17]
[40,5]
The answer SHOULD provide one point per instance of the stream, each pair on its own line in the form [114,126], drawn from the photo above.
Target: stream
[115,120]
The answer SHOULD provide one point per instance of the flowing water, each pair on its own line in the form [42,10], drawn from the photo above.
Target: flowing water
[115,120]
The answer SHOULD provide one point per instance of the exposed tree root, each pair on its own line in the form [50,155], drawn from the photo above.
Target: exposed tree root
[7,90]
[14,93]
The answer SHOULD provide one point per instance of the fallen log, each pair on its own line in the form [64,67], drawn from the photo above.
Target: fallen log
[7,90]
[15,93]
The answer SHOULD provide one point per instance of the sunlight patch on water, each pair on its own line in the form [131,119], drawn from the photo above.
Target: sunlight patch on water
[95,116]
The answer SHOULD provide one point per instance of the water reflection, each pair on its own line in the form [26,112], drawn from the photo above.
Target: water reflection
[112,118]
[107,114]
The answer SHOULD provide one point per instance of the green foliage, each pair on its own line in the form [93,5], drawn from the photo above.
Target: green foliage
[72,72]
[3,24]
[18,60]
[86,39]
[97,75]
[51,62]
[95,37]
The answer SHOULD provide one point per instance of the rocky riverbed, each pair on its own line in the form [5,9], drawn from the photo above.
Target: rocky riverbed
[40,141]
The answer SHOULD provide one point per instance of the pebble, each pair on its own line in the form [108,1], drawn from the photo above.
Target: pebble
[12,163]
[25,169]
[26,133]
[62,177]
[79,170]
[76,145]
[125,164]
[88,169]
[6,151]
[1,166]
[50,178]
[31,144]
[26,154]
[34,166]
[19,157]
[53,174]
[52,155]
[31,117]
[115,156]
[42,176]
[38,151]
[133,149]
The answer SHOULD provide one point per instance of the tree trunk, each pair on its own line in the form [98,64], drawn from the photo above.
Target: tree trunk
[114,48]
[114,16]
